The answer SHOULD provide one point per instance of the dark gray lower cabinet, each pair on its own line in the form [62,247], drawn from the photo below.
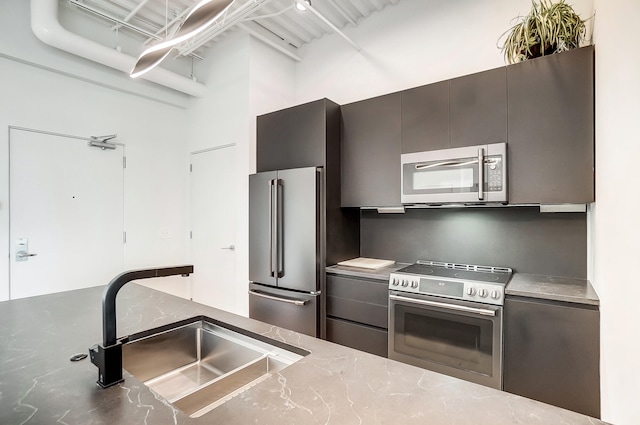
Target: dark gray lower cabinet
[358,336]
[357,313]
[552,353]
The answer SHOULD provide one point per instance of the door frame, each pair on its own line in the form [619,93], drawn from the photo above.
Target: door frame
[11,128]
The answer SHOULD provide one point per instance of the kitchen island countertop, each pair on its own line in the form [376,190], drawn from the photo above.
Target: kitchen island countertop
[332,385]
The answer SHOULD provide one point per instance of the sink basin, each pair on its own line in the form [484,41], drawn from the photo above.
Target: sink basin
[198,364]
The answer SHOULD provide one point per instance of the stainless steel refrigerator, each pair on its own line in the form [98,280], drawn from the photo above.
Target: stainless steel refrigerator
[286,248]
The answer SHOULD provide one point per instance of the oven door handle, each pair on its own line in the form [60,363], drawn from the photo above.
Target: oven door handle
[481,311]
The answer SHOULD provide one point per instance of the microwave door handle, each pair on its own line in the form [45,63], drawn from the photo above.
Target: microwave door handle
[481,174]
[426,165]
[481,311]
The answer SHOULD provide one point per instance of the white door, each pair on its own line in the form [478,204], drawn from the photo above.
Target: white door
[66,209]
[213,227]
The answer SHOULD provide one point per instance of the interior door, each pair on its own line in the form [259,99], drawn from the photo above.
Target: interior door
[213,228]
[66,213]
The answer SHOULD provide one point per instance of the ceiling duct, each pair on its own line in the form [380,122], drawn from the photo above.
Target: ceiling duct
[46,26]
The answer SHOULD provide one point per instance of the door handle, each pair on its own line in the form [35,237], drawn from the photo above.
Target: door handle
[22,255]
[22,250]
[293,301]
[481,174]
[271,215]
[230,247]
[481,311]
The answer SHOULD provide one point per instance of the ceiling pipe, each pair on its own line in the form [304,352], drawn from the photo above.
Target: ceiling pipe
[46,26]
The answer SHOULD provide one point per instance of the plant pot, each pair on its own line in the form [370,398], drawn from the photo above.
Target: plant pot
[535,51]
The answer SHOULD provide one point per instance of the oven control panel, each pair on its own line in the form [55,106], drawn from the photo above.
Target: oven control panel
[483,292]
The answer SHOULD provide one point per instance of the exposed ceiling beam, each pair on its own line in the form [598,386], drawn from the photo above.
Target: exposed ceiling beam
[265,36]
[329,23]
[225,23]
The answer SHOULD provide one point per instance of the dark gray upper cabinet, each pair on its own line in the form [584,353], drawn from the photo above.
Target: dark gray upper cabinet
[551,128]
[478,108]
[425,118]
[308,135]
[465,111]
[371,148]
[295,137]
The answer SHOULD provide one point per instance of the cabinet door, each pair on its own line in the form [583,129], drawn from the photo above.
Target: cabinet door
[552,353]
[291,138]
[425,118]
[479,108]
[371,152]
[551,128]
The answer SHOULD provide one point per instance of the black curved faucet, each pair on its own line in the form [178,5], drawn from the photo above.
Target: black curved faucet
[108,357]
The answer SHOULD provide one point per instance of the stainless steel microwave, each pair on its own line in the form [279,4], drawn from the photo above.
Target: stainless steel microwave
[472,174]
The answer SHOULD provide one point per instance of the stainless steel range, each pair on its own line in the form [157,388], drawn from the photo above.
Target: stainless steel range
[447,317]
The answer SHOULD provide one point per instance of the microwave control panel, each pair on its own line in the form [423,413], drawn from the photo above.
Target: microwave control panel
[494,174]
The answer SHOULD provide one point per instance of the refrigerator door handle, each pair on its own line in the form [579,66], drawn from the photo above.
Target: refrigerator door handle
[271,185]
[284,300]
[279,270]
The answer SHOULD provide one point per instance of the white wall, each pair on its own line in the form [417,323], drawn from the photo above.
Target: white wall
[244,78]
[152,130]
[410,44]
[615,219]
[221,117]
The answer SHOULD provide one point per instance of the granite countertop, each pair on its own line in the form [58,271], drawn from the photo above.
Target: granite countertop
[332,385]
[379,274]
[553,288]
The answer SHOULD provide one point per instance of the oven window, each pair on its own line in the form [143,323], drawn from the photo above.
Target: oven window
[449,339]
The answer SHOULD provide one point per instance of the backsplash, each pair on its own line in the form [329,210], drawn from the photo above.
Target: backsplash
[518,237]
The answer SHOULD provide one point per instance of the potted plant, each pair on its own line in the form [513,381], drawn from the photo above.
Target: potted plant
[548,28]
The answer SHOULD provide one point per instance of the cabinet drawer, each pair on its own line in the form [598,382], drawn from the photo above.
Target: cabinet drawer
[359,300]
[360,337]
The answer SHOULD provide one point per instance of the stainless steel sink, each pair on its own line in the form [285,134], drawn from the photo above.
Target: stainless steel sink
[199,365]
